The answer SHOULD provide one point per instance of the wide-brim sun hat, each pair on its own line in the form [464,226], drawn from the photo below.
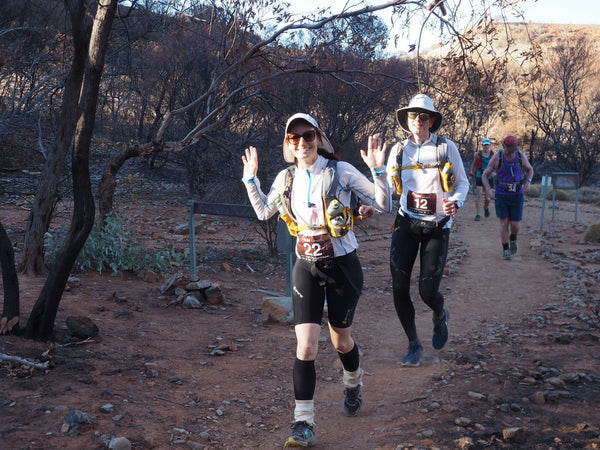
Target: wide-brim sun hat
[288,155]
[419,103]
[486,141]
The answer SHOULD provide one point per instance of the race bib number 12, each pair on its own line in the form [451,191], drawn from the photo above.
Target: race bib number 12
[421,203]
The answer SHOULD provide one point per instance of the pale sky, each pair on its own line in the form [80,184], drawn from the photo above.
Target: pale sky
[540,11]
[563,11]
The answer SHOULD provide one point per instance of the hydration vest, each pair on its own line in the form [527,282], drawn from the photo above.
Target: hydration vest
[443,165]
[518,155]
[479,161]
[339,219]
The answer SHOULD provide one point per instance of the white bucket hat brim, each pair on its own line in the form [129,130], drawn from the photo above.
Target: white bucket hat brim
[419,103]
[324,144]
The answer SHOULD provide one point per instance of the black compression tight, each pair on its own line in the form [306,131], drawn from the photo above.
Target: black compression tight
[433,247]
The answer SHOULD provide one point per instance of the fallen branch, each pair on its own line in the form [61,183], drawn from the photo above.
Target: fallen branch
[41,366]
[85,341]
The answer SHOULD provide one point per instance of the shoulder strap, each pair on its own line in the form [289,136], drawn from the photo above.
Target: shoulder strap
[399,155]
[499,159]
[442,151]
[290,172]
[330,179]
[331,183]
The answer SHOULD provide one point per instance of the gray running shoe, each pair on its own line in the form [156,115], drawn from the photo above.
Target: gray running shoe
[514,248]
[477,218]
[415,354]
[303,435]
[440,330]
[506,254]
[352,400]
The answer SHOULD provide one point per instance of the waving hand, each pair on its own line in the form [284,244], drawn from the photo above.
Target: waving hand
[250,160]
[375,155]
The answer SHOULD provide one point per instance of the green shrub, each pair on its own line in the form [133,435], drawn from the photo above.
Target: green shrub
[586,194]
[113,247]
[535,190]
[589,195]
[592,234]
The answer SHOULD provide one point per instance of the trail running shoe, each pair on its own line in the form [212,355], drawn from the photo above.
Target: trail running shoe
[303,435]
[352,400]
[486,212]
[514,248]
[440,330]
[477,218]
[415,354]
[506,254]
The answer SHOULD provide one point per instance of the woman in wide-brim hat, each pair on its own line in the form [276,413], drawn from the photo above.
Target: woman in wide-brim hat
[327,266]
[322,143]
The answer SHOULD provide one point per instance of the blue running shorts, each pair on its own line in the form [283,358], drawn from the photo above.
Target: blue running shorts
[510,206]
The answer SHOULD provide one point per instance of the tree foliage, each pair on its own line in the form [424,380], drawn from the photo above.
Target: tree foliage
[203,80]
[560,95]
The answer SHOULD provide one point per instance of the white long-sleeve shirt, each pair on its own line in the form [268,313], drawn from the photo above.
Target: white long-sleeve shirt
[426,181]
[306,198]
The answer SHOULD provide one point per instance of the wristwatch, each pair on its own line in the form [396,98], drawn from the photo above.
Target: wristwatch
[529,180]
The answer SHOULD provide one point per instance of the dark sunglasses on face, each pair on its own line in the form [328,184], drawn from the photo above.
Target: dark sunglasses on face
[423,116]
[308,136]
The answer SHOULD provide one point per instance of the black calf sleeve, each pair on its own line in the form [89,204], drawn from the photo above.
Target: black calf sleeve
[350,360]
[305,379]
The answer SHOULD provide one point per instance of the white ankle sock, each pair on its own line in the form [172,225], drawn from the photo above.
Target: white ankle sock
[305,411]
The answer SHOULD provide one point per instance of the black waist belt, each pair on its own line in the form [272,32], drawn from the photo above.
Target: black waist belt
[430,224]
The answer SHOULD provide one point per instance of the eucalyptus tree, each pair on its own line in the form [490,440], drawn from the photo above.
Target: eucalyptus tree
[248,52]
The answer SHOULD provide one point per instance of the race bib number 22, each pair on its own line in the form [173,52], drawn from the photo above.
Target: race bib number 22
[315,248]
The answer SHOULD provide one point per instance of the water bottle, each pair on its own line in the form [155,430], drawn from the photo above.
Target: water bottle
[281,206]
[447,170]
[335,212]
[447,177]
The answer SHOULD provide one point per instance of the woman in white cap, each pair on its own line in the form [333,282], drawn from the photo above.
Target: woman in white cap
[429,198]
[327,266]
[480,163]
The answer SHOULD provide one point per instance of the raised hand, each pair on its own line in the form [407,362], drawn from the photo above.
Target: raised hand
[375,155]
[250,160]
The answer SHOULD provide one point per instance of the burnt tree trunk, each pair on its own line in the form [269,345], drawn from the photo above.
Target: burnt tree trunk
[40,325]
[46,196]
[108,183]
[10,281]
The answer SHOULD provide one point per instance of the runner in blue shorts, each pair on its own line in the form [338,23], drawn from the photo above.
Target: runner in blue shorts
[513,180]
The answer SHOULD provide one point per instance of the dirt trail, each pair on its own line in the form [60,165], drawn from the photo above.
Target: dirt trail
[154,365]
[409,405]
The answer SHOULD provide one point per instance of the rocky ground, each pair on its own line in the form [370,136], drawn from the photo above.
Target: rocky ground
[521,369]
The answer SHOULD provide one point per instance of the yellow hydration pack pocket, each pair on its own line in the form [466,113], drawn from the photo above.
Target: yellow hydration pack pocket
[285,215]
[397,179]
[447,177]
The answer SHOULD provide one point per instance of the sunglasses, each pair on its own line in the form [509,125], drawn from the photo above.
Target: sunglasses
[421,115]
[308,136]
